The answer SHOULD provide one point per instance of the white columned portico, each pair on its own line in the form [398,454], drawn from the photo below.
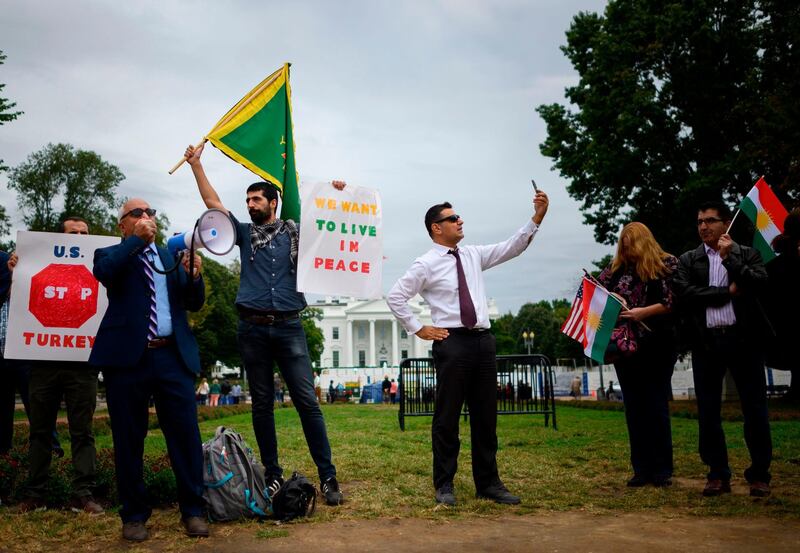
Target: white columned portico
[395,344]
[372,359]
[348,345]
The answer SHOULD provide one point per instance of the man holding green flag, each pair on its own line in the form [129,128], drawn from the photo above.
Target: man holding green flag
[270,330]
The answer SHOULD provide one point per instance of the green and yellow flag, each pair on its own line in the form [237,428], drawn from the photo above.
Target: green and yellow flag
[257,132]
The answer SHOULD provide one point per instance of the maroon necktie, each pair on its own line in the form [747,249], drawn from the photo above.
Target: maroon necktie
[468,317]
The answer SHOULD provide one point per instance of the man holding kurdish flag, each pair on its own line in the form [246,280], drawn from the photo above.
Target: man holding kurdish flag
[719,284]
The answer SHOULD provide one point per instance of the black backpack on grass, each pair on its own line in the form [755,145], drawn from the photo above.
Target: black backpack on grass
[296,498]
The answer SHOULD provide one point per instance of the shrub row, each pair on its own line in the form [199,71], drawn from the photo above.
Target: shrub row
[779,409]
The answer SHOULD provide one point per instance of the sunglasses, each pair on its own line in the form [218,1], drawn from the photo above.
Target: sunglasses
[137,212]
[451,218]
[709,221]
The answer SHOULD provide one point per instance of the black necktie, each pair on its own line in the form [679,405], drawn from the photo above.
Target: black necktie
[468,316]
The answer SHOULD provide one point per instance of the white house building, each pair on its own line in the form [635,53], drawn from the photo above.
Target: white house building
[364,333]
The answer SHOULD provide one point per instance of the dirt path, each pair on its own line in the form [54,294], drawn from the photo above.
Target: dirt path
[572,531]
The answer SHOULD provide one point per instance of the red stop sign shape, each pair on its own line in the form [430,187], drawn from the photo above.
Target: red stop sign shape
[63,296]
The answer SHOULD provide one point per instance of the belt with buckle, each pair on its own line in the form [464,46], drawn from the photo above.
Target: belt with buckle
[266,317]
[157,343]
[721,330]
[465,330]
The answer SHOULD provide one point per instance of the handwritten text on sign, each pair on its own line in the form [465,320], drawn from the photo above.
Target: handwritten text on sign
[56,303]
[341,247]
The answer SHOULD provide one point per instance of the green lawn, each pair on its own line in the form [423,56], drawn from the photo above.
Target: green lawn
[387,473]
[582,465]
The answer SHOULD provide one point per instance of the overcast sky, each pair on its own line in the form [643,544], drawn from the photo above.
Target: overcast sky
[427,101]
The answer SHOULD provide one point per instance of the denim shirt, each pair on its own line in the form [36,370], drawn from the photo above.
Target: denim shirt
[269,281]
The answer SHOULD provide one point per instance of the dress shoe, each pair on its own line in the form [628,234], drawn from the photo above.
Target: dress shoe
[499,494]
[29,504]
[759,489]
[445,495]
[715,487]
[87,504]
[662,481]
[196,527]
[637,481]
[134,531]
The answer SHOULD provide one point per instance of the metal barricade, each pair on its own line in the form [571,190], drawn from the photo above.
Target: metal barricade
[524,387]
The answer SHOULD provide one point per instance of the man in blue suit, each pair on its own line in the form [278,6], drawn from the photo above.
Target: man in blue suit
[145,348]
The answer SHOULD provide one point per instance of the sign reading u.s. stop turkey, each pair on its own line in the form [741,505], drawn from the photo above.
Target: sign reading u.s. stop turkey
[56,303]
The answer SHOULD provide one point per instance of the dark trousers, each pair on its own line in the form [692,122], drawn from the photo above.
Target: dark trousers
[15,375]
[466,369]
[162,375]
[736,353]
[284,343]
[77,383]
[646,382]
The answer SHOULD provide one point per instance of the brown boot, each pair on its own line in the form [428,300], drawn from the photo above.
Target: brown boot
[196,527]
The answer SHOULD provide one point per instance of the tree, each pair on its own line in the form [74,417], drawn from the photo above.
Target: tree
[678,102]
[6,115]
[215,325]
[59,180]
[314,337]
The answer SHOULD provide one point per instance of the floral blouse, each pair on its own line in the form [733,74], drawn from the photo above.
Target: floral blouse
[639,293]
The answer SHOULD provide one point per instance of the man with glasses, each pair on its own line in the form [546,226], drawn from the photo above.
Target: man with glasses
[49,382]
[145,349]
[719,284]
[450,279]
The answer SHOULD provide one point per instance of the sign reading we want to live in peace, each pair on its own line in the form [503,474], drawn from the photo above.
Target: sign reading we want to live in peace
[56,303]
[341,242]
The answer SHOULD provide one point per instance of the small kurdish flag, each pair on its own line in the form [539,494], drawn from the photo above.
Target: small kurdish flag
[597,311]
[257,132]
[767,213]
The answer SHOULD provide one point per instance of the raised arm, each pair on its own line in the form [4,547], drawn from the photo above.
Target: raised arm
[207,192]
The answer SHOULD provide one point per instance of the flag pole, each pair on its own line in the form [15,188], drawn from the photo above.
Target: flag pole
[614,297]
[183,160]
[735,215]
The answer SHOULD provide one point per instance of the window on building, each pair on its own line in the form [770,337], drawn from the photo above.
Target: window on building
[336,333]
[335,358]
[404,354]
[362,358]
[360,332]
[430,353]
[403,333]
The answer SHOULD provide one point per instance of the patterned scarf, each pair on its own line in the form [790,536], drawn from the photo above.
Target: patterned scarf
[262,235]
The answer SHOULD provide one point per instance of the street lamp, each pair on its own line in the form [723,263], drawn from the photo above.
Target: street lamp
[527,338]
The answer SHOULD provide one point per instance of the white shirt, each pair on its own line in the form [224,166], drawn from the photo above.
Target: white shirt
[434,277]
[718,276]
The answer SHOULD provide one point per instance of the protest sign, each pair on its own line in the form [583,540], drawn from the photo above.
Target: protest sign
[56,303]
[341,241]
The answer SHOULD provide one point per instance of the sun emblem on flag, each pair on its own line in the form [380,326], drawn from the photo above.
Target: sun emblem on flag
[763,220]
[593,320]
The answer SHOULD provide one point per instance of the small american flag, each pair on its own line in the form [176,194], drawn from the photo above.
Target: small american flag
[573,326]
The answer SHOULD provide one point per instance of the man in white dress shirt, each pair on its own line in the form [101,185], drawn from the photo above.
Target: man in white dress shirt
[450,279]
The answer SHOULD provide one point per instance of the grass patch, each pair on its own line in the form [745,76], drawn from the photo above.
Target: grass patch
[270,533]
[387,473]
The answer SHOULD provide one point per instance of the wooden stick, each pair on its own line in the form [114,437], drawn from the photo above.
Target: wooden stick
[182,161]
[611,295]
[733,221]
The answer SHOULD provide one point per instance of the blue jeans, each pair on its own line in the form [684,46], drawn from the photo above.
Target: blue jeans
[284,343]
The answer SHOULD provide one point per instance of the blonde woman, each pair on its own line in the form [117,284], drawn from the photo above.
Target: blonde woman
[641,275]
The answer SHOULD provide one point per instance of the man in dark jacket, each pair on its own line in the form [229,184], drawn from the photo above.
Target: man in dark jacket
[145,349]
[719,284]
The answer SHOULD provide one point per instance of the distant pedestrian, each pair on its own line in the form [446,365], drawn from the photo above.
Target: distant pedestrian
[393,391]
[214,393]
[576,388]
[386,386]
[202,391]
[278,387]
[236,392]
